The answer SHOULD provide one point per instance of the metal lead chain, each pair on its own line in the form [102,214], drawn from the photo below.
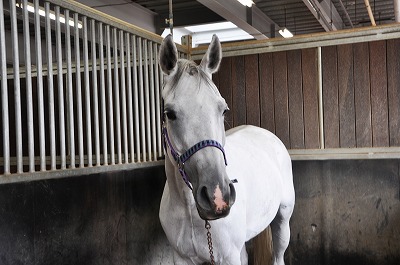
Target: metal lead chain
[209,240]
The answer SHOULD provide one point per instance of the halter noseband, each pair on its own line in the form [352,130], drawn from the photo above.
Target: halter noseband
[181,159]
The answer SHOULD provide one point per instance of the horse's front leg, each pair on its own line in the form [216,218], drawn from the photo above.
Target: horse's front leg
[243,256]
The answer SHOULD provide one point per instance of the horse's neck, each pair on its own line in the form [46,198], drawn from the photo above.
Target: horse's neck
[178,190]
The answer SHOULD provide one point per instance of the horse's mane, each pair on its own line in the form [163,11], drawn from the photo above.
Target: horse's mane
[190,67]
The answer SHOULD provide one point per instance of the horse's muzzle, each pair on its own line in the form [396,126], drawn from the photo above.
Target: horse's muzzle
[215,203]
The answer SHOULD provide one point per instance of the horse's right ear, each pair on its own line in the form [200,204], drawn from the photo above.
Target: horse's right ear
[168,56]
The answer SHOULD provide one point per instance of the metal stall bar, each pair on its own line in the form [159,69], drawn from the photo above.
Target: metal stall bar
[4,96]
[123,97]
[129,97]
[70,96]
[157,77]
[152,103]
[136,98]
[60,88]
[116,97]
[146,98]
[141,101]
[103,96]
[320,101]
[50,85]
[110,97]
[39,69]
[95,93]
[78,92]
[28,82]
[161,78]
[87,93]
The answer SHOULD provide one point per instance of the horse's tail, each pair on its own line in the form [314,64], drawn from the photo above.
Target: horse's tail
[262,248]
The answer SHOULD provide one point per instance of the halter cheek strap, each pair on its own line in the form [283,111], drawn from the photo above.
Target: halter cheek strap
[181,159]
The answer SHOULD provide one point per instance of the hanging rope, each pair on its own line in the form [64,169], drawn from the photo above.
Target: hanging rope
[170,21]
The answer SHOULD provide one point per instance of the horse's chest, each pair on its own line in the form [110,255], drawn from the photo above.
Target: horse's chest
[182,235]
[185,240]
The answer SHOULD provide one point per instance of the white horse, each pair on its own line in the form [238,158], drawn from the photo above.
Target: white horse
[256,158]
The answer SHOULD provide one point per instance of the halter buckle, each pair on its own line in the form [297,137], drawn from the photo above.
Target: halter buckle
[181,164]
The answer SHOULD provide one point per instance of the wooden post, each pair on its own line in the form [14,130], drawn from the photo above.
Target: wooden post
[187,42]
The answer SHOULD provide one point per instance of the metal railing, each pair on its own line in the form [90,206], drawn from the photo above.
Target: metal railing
[80,91]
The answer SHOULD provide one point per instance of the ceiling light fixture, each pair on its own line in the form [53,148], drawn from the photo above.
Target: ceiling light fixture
[247,3]
[285,33]
[202,34]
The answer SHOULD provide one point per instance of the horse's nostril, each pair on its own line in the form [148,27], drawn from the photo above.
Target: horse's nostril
[204,199]
[232,195]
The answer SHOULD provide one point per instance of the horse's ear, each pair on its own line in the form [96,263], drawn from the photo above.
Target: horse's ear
[213,56]
[168,55]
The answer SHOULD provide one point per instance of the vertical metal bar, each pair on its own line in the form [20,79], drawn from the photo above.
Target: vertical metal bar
[158,101]
[70,97]
[141,100]
[152,103]
[320,102]
[4,95]
[103,95]
[28,79]
[161,78]
[39,69]
[136,98]
[129,97]
[146,97]
[110,96]
[95,94]
[50,88]
[116,98]
[87,93]
[17,86]
[123,97]
[78,92]
[60,88]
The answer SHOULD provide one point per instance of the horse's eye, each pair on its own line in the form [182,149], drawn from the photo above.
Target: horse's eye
[225,111]
[171,115]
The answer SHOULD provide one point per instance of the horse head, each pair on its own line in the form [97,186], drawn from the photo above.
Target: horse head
[194,116]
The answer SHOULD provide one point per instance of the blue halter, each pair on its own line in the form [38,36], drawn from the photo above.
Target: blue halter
[181,159]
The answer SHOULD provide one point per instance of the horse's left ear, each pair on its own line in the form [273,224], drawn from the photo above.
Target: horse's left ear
[213,56]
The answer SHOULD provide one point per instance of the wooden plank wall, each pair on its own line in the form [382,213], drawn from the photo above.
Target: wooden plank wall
[361,92]
[276,91]
[279,91]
